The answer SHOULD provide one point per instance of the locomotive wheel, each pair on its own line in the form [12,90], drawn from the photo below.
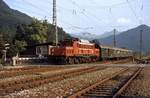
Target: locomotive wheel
[72,61]
[80,60]
[77,60]
[86,60]
[63,60]
[69,61]
[93,60]
[90,60]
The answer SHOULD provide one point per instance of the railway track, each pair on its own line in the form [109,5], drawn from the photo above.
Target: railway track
[26,71]
[111,87]
[27,83]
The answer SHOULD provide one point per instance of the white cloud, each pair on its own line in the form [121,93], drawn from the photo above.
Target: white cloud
[123,20]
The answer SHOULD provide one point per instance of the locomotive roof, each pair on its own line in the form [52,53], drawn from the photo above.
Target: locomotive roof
[85,42]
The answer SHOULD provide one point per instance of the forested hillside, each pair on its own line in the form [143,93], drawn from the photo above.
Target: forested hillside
[131,39]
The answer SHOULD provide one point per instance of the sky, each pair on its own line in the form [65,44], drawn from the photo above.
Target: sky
[94,16]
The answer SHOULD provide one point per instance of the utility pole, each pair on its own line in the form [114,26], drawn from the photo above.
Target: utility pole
[55,22]
[114,37]
[141,42]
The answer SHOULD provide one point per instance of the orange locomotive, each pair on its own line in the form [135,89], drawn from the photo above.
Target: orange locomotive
[74,51]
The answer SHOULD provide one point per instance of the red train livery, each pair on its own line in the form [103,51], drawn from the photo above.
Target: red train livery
[80,51]
[74,51]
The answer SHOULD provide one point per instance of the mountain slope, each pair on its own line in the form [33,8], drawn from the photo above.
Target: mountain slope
[131,39]
[107,34]
[84,35]
[90,36]
[10,18]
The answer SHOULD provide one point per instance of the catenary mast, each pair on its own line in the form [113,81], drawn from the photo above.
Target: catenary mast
[55,21]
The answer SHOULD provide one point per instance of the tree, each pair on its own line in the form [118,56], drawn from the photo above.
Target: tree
[19,41]
[20,33]
[16,48]
[36,33]
[2,41]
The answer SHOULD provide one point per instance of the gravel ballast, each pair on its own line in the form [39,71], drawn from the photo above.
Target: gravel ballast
[67,86]
[140,86]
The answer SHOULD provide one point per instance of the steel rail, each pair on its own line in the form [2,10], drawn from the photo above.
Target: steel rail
[21,85]
[76,95]
[118,93]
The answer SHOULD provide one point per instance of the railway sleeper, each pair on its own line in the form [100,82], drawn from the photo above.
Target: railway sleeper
[100,93]
[104,88]
[95,96]
[7,84]
[35,83]
[8,90]
[108,90]
[2,92]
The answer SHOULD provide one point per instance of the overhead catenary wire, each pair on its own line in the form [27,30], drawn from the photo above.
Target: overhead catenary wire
[85,12]
[29,11]
[141,30]
[134,13]
[34,6]
[33,12]
[109,6]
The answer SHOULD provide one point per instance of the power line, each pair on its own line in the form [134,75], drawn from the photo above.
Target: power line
[33,12]
[134,13]
[142,7]
[84,10]
[77,27]
[110,6]
[141,29]
[37,7]
[95,17]
[111,14]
